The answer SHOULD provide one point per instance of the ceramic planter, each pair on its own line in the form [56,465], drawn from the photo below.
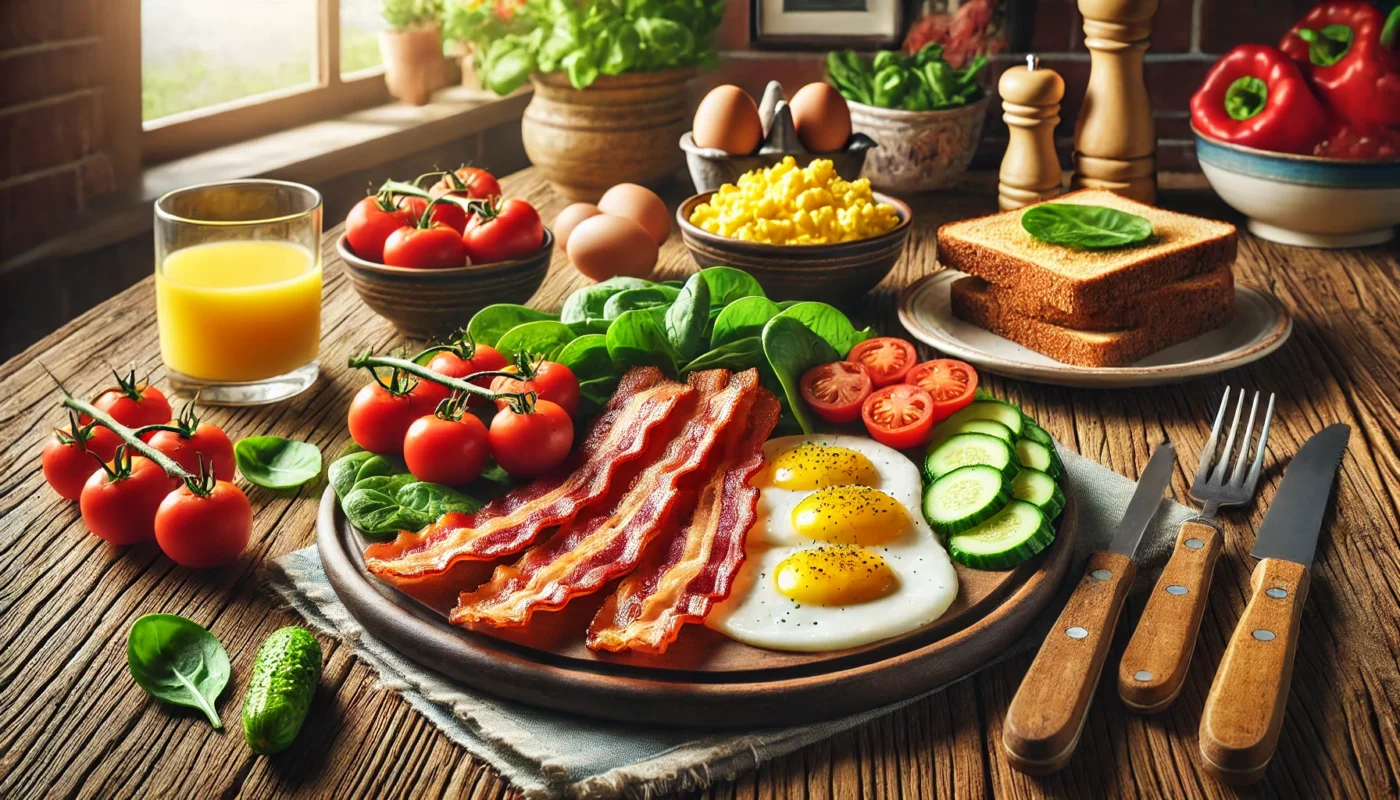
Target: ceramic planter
[622,129]
[414,66]
[919,151]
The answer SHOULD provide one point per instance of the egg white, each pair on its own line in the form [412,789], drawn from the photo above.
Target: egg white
[756,613]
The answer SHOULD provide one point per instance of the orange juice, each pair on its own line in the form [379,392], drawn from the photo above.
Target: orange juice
[239,310]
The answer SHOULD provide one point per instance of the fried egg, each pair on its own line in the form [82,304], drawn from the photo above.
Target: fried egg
[839,554]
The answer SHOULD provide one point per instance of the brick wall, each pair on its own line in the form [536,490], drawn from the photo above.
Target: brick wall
[54,157]
[1188,35]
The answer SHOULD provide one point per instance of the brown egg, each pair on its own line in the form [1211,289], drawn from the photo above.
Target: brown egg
[569,219]
[605,247]
[822,118]
[641,205]
[727,119]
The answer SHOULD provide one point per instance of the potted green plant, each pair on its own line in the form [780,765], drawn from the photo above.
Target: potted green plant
[609,75]
[470,26]
[414,65]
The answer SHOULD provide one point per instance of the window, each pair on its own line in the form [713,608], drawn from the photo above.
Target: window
[214,73]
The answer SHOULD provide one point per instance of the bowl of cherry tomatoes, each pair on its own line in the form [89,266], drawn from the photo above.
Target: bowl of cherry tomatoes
[427,260]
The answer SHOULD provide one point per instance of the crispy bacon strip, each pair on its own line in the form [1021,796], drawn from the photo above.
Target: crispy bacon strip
[629,425]
[607,540]
[681,581]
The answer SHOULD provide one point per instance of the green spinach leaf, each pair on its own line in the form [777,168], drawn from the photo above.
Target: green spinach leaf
[434,499]
[176,660]
[1086,227]
[742,319]
[829,323]
[687,318]
[388,484]
[736,356]
[637,339]
[727,285]
[276,463]
[544,338]
[792,349]
[344,471]
[587,357]
[588,302]
[645,297]
[488,325]
[380,515]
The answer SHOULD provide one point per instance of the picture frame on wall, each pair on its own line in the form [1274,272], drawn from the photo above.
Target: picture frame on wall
[827,23]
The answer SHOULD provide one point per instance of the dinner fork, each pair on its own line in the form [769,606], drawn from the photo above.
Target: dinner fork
[1153,668]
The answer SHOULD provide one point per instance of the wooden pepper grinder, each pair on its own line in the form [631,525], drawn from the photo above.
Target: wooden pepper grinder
[1030,99]
[1115,144]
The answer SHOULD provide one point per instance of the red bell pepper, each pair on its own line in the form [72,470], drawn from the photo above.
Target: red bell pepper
[1254,96]
[1346,49]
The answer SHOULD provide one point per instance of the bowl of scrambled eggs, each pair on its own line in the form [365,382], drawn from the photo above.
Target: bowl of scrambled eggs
[803,232]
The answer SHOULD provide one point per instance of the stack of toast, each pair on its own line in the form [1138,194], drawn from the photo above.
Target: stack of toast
[1094,308]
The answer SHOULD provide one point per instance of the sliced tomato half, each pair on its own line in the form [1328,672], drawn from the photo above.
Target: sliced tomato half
[900,416]
[952,383]
[886,358]
[836,390]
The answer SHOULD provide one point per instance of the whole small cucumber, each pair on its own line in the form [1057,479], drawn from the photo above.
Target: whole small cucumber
[284,680]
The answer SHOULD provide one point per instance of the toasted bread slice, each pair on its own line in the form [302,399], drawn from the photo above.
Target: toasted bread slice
[973,302]
[1185,298]
[1081,282]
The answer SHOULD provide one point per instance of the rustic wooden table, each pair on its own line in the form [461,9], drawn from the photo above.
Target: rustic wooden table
[72,722]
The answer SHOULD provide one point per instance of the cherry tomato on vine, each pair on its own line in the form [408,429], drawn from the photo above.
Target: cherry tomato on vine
[446,451]
[531,443]
[952,384]
[886,358]
[552,381]
[449,214]
[70,460]
[379,418]
[509,230]
[133,403]
[467,358]
[899,416]
[205,523]
[370,222]
[436,246]
[467,182]
[205,440]
[836,390]
[119,502]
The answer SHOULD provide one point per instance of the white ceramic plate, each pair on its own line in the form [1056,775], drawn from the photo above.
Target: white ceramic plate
[1261,325]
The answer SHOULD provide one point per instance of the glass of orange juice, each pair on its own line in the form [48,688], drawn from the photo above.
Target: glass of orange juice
[238,289]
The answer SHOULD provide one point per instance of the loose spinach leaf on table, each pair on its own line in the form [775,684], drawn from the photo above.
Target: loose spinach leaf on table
[637,339]
[645,297]
[829,323]
[588,302]
[792,349]
[687,318]
[276,463]
[1087,227]
[544,338]
[176,660]
[742,319]
[488,325]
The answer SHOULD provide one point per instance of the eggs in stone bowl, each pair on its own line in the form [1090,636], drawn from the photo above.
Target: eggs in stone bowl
[839,555]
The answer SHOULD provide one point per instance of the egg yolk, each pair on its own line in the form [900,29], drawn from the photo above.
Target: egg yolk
[834,575]
[815,466]
[850,515]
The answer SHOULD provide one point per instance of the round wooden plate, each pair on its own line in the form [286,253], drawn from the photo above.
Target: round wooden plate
[704,679]
[1261,325]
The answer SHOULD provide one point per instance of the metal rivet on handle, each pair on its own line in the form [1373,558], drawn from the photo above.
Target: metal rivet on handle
[1177,590]
[1076,632]
[1277,594]
[1101,574]
[1142,675]
[1194,544]
[1263,635]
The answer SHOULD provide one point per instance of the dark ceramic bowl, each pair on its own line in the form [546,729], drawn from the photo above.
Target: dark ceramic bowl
[832,273]
[426,303]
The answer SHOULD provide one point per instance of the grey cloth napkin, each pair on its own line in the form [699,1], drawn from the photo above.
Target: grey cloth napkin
[547,754]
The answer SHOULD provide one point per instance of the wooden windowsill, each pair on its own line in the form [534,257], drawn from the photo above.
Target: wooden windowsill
[309,154]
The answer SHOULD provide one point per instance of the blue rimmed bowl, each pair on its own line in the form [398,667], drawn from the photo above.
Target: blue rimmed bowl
[1305,200]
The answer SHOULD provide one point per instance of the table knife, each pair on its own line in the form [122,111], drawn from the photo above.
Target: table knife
[1243,713]
[1047,714]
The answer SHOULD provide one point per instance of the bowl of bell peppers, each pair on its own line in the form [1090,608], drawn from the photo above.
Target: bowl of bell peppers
[1304,138]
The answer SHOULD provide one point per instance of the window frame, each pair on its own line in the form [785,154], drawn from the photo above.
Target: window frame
[198,130]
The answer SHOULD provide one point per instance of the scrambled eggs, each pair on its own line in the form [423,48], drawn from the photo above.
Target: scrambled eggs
[787,205]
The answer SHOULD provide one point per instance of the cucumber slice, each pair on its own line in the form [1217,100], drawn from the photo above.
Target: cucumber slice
[995,410]
[988,426]
[1037,434]
[964,497]
[965,449]
[1013,535]
[1040,490]
[1037,456]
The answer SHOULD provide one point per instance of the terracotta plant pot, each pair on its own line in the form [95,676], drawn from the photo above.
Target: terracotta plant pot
[919,151]
[414,66]
[622,129]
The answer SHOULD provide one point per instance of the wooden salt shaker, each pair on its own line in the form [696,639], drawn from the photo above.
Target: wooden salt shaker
[1030,99]
[1115,143]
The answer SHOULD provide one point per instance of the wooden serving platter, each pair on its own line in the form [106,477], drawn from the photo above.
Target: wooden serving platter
[704,680]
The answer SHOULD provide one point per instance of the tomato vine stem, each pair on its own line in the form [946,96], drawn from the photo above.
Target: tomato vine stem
[133,442]
[462,385]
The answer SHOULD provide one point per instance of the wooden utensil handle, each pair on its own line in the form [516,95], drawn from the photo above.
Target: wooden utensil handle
[1153,668]
[1047,714]
[1244,710]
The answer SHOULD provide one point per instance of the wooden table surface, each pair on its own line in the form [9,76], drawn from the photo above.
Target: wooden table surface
[72,721]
